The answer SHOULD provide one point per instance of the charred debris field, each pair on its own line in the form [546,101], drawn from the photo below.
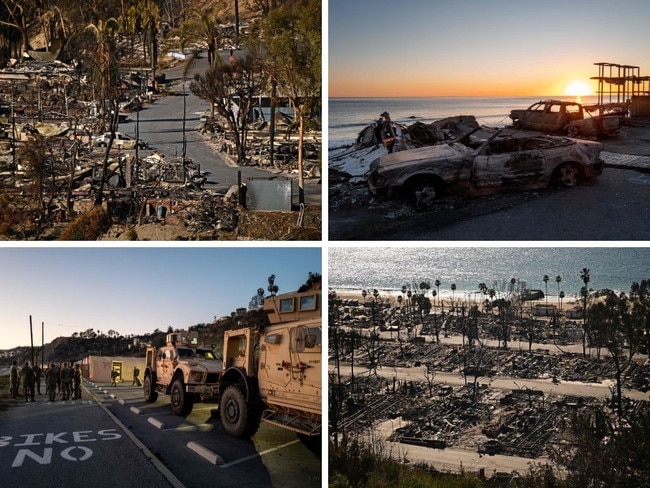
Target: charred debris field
[475,380]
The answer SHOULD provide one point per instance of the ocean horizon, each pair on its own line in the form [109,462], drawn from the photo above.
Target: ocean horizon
[348,116]
[388,269]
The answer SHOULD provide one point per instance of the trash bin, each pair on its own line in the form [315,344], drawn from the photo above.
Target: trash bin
[161,212]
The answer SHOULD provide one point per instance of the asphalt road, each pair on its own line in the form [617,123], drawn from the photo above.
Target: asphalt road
[189,446]
[107,440]
[613,207]
[161,125]
[71,444]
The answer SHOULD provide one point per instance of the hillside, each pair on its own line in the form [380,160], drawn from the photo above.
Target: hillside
[75,348]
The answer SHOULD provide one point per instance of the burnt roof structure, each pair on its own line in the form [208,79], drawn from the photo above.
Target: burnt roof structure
[618,84]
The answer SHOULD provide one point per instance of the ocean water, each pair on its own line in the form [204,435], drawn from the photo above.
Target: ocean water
[388,269]
[348,116]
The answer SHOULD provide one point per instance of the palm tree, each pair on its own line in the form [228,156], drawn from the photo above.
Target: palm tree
[105,74]
[203,26]
[453,289]
[561,295]
[545,279]
[584,276]
[558,279]
[150,19]
[437,283]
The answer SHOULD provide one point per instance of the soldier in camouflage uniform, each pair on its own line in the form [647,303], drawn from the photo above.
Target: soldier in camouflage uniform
[76,382]
[14,378]
[50,381]
[66,381]
[37,377]
[28,379]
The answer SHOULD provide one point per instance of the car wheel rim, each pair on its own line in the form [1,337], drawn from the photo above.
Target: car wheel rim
[569,176]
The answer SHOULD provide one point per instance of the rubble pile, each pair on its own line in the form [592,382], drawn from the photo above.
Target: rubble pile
[53,100]
[506,363]
[212,213]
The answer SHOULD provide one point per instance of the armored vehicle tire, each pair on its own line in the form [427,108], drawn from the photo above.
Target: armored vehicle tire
[150,393]
[182,402]
[239,419]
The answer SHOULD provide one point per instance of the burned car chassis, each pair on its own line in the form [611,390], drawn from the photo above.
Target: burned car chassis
[503,162]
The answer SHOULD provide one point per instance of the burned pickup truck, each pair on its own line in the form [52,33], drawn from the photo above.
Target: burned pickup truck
[561,117]
[498,163]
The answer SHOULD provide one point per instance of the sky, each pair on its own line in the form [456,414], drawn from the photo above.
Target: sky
[135,290]
[386,48]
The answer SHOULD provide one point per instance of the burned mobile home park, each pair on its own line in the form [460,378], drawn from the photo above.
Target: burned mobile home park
[497,386]
[128,128]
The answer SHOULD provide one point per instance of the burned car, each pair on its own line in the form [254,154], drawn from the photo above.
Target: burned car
[496,164]
[121,141]
[560,117]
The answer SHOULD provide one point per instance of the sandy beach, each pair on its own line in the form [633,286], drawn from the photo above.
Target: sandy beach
[568,302]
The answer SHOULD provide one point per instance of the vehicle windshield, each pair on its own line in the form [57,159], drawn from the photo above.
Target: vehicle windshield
[185,353]
[205,354]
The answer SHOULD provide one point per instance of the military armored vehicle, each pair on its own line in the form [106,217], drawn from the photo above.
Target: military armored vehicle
[272,374]
[181,370]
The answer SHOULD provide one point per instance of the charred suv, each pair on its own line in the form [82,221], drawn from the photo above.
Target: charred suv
[496,164]
[271,374]
[561,117]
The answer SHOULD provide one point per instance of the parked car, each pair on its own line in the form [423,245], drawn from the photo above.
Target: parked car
[560,117]
[500,163]
[121,141]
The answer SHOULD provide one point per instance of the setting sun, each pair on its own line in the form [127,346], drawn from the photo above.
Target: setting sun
[578,89]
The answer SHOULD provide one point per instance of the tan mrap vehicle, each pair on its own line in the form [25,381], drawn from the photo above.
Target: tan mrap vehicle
[181,370]
[274,375]
[271,375]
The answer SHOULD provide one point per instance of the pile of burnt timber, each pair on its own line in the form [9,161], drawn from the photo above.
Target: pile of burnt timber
[508,363]
[258,146]
[523,423]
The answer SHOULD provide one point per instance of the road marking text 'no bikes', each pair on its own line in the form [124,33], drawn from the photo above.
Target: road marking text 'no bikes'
[40,447]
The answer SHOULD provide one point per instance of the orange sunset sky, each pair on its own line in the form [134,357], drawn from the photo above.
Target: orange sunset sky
[414,48]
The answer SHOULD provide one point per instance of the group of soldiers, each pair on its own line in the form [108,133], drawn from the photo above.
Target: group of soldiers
[64,379]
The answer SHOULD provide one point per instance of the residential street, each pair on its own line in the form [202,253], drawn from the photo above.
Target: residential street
[161,125]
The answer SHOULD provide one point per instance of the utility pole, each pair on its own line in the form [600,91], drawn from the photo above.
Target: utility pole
[31,333]
[42,344]
[237,22]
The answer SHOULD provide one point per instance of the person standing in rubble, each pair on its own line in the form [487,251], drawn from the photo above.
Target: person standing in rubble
[387,131]
[76,382]
[14,379]
[28,378]
[51,377]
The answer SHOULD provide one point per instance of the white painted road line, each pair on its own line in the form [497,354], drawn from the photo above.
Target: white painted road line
[259,454]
